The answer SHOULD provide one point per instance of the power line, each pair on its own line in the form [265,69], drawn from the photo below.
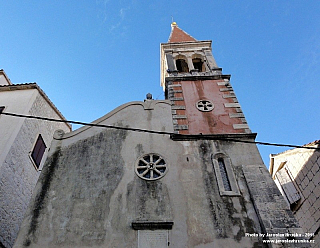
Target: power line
[153,131]
[87,124]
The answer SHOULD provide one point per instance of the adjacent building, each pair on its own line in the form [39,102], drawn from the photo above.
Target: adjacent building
[180,172]
[24,145]
[297,175]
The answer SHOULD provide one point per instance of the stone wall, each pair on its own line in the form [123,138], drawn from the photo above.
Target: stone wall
[303,166]
[18,175]
[90,193]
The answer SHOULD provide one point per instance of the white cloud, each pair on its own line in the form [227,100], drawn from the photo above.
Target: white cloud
[113,20]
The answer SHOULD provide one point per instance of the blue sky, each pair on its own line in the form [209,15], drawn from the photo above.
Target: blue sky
[92,56]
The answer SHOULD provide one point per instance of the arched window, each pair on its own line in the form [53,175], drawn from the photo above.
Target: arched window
[182,65]
[224,175]
[198,64]
[226,179]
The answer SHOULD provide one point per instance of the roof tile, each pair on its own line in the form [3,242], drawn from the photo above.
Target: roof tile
[178,35]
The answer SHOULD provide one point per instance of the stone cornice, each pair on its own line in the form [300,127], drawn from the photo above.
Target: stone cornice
[152,225]
[197,77]
[224,137]
[189,44]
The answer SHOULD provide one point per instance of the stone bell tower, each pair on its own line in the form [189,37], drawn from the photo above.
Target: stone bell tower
[207,114]
[203,98]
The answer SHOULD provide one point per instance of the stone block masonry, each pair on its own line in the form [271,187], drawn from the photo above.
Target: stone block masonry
[303,166]
[272,210]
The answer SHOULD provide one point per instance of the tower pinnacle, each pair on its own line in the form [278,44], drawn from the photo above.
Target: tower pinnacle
[178,35]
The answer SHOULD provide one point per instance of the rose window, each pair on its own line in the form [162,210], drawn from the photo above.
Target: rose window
[204,105]
[151,166]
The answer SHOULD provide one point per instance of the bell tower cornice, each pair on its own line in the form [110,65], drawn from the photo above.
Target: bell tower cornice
[194,45]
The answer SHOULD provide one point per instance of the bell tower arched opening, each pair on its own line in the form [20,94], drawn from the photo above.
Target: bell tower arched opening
[198,63]
[182,65]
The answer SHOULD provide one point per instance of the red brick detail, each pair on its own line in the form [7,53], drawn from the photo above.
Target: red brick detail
[216,121]
[177,87]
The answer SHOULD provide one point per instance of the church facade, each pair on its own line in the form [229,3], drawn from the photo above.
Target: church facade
[180,172]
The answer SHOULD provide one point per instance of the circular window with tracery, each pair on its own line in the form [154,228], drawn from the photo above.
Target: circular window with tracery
[151,166]
[204,105]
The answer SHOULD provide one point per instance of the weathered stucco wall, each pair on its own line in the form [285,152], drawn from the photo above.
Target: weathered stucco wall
[18,175]
[90,196]
[217,120]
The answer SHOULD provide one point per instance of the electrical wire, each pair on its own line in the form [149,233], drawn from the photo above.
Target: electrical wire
[86,124]
[153,131]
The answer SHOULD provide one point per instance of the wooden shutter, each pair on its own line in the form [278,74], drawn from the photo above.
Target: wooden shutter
[287,185]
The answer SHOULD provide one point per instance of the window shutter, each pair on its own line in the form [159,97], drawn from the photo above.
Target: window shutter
[38,151]
[287,185]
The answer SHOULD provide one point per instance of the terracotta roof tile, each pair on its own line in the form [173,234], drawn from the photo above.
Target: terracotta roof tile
[178,35]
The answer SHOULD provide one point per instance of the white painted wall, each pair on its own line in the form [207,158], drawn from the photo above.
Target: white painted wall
[3,79]
[17,101]
[18,175]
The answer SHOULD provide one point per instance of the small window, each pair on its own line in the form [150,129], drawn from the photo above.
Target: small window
[198,64]
[204,105]
[38,151]
[226,179]
[224,175]
[182,65]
